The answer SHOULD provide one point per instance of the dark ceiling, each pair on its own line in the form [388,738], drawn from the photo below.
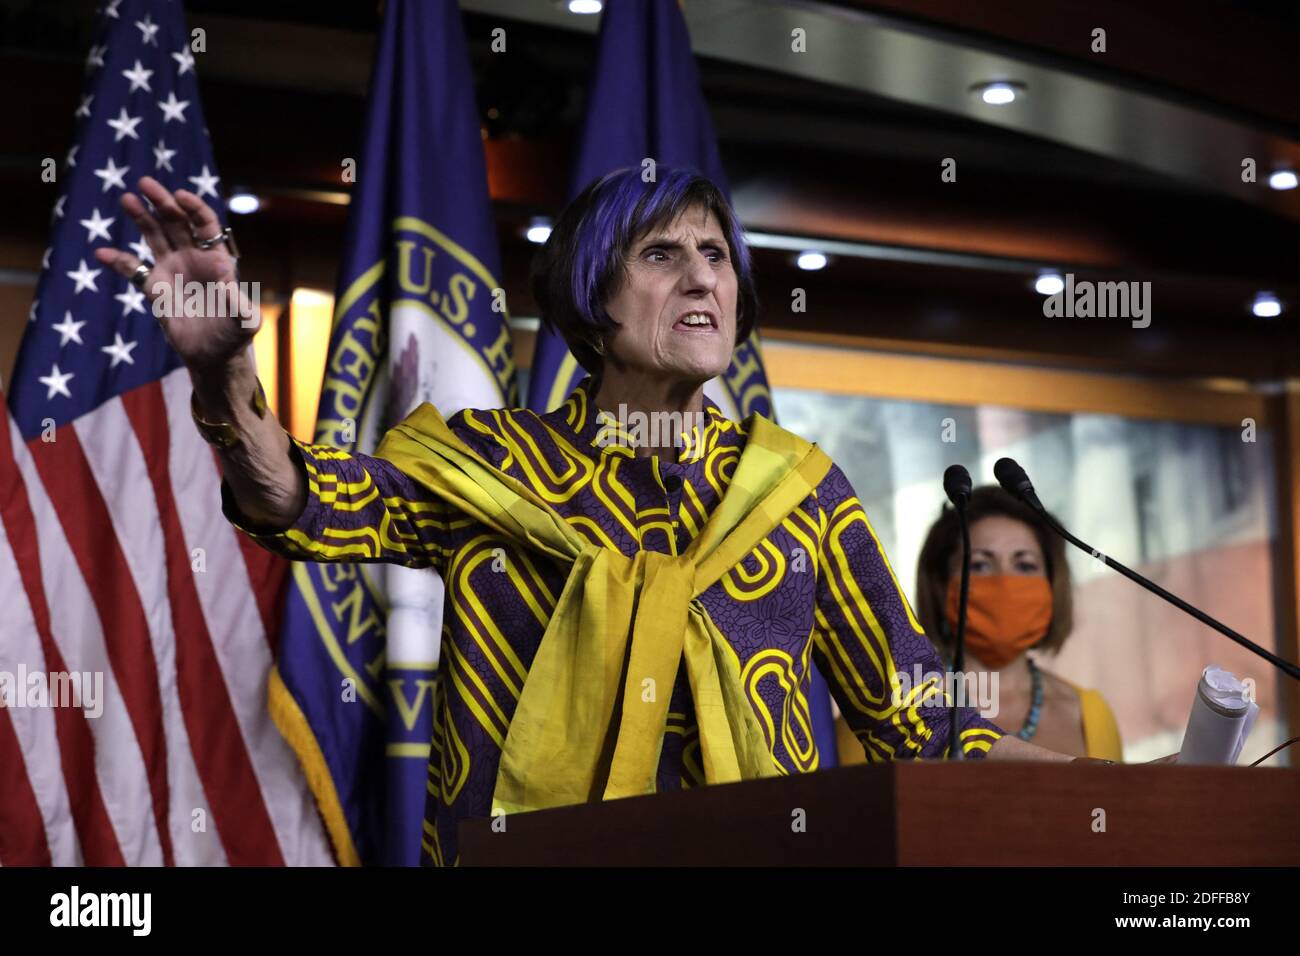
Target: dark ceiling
[1239,56]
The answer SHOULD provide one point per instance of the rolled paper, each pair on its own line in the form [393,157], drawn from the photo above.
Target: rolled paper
[1221,718]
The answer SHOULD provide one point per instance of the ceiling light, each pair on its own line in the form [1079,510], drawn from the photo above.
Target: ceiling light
[999,92]
[1266,305]
[1049,283]
[539,229]
[584,6]
[1283,179]
[244,203]
[811,260]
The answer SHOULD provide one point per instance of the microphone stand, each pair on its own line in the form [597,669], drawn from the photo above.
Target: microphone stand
[959,644]
[1017,482]
[957,486]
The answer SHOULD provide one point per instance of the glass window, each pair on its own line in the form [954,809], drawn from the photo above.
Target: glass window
[1189,506]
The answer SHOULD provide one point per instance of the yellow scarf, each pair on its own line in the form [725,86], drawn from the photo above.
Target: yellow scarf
[587,727]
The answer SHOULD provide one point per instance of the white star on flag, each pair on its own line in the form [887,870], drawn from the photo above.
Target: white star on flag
[97,226]
[112,176]
[84,276]
[132,301]
[72,155]
[148,30]
[125,125]
[57,381]
[173,109]
[58,207]
[163,157]
[205,182]
[121,351]
[96,56]
[111,9]
[141,250]
[84,108]
[45,259]
[139,77]
[31,313]
[69,331]
[186,60]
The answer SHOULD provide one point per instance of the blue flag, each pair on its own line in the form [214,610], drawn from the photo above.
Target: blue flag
[646,103]
[419,316]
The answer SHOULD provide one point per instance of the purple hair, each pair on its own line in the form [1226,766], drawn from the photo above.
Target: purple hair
[584,259]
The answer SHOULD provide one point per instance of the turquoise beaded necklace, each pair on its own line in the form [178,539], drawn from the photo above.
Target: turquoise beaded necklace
[1036,702]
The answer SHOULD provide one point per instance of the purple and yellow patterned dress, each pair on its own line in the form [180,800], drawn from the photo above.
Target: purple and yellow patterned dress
[818,588]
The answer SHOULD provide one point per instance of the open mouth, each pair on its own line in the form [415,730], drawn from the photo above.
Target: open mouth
[696,322]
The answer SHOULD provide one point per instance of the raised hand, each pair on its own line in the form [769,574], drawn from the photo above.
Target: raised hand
[204,342]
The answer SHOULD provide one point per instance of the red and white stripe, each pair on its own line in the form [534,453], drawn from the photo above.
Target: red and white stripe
[115,558]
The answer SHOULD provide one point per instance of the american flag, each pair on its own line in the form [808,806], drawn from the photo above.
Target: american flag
[114,555]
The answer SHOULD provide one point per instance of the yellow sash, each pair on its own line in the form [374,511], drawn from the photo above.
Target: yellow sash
[590,720]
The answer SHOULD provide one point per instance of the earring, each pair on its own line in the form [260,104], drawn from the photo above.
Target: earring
[598,347]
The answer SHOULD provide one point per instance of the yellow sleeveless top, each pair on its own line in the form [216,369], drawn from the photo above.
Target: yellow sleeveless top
[1100,732]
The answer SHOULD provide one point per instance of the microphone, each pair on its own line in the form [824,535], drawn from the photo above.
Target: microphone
[1013,479]
[957,486]
[956,483]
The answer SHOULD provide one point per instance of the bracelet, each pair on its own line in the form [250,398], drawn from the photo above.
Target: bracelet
[224,434]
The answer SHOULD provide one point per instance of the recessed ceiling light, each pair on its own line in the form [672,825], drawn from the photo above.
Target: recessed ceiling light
[1266,305]
[1283,179]
[244,203]
[539,229]
[1049,283]
[584,6]
[811,260]
[999,92]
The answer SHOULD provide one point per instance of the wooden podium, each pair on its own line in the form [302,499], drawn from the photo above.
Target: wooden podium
[925,814]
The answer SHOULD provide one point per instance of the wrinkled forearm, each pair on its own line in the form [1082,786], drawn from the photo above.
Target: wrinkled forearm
[266,484]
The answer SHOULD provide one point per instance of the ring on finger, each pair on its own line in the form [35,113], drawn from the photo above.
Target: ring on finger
[226,235]
[140,276]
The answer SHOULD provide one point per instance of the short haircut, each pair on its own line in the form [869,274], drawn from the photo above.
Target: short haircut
[585,258]
[944,540]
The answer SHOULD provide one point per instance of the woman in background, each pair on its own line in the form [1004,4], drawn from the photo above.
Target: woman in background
[1020,600]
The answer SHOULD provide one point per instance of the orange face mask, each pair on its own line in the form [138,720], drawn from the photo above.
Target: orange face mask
[1005,614]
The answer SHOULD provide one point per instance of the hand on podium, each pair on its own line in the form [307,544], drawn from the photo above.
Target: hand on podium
[1172,758]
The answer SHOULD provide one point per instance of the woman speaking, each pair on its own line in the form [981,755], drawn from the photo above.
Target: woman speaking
[628,609]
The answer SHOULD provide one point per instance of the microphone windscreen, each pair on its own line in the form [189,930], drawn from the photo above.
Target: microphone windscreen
[956,483]
[1010,475]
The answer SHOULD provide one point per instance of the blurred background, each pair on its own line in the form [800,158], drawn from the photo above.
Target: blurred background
[1169,157]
